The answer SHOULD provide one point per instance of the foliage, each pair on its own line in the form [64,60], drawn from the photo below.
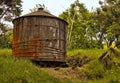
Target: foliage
[21,70]
[92,29]
[114,30]
[94,70]
[10,9]
[109,57]
[112,75]
[6,39]
[107,17]
[3,28]
[77,16]
[80,57]
[5,36]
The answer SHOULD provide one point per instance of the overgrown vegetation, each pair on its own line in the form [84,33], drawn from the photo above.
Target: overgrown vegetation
[87,31]
[14,70]
[80,57]
[6,40]
[95,71]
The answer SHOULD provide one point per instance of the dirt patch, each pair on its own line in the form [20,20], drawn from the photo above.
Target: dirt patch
[68,73]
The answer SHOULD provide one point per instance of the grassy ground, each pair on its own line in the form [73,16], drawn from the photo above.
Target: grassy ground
[95,71]
[23,71]
[5,52]
[91,53]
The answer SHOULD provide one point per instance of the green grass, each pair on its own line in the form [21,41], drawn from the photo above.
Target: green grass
[5,52]
[95,72]
[14,70]
[91,53]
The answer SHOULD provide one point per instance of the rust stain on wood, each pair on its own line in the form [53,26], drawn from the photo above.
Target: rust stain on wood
[39,35]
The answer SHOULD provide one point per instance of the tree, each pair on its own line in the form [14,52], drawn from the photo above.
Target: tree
[6,38]
[3,28]
[10,9]
[110,11]
[77,17]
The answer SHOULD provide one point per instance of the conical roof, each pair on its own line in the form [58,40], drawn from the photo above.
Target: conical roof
[40,12]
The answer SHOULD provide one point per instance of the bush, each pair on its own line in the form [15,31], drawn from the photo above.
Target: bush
[94,70]
[6,40]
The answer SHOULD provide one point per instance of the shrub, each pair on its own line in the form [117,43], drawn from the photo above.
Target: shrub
[94,70]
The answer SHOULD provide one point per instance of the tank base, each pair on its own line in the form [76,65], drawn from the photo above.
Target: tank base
[50,63]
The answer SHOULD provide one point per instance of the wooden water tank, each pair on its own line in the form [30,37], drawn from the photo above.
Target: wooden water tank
[40,36]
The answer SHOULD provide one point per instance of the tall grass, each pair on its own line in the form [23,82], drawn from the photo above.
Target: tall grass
[14,70]
[5,52]
[23,71]
[91,53]
[95,72]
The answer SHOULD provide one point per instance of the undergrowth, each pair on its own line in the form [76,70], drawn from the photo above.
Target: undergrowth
[91,70]
[5,52]
[14,70]
[91,53]
[95,71]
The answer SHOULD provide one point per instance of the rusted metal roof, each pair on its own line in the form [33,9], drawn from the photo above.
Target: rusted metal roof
[40,12]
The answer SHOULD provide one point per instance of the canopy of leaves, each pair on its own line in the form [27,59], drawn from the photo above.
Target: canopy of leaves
[77,17]
[10,9]
[108,16]
[90,29]
[5,37]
